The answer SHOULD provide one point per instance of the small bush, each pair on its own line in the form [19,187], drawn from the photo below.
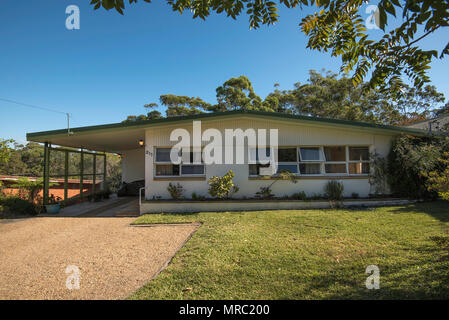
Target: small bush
[354,195]
[17,205]
[333,190]
[222,187]
[176,191]
[264,193]
[299,196]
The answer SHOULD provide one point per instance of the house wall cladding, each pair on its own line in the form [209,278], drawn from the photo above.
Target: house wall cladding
[290,134]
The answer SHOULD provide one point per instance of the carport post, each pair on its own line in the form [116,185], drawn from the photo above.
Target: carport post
[104,172]
[66,175]
[94,178]
[81,174]
[46,173]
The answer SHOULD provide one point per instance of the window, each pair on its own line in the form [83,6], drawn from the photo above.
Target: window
[335,160]
[287,160]
[293,168]
[359,160]
[310,168]
[167,170]
[254,169]
[254,160]
[310,154]
[287,155]
[163,154]
[310,160]
[164,166]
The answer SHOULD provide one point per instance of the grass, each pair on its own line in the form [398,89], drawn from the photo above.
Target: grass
[308,254]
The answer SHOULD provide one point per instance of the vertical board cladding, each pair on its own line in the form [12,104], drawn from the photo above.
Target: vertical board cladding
[133,165]
[289,134]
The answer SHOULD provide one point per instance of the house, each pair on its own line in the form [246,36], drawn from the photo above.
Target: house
[432,125]
[316,150]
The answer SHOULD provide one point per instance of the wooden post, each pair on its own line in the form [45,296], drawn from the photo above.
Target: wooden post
[81,174]
[94,177]
[46,172]
[104,173]
[66,175]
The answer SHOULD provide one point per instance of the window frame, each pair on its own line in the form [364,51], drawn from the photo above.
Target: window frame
[320,161]
[359,161]
[181,164]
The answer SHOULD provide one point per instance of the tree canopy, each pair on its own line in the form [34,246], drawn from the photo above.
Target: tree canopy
[324,94]
[339,28]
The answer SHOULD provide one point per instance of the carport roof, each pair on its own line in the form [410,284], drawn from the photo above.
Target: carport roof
[110,137]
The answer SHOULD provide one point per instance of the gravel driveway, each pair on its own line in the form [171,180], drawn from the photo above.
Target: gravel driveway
[114,258]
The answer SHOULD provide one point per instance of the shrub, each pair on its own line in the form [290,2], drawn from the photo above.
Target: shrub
[333,190]
[410,161]
[355,195]
[266,192]
[17,205]
[439,181]
[222,187]
[299,196]
[175,191]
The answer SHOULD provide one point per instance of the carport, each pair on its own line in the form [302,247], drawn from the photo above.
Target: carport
[86,149]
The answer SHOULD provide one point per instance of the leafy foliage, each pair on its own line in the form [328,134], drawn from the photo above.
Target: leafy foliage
[339,28]
[20,206]
[410,161]
[333,190]
[5,150]
[223,187]
[323,95]
[176,191]
[378,178]
[266,192]
[438,180]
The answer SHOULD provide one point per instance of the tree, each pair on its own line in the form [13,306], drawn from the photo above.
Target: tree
[339,28]
[323,95]
[5,150]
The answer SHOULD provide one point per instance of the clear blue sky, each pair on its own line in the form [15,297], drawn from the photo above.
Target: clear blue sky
[115,64]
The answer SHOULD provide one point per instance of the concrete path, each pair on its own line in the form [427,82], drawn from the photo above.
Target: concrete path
[113,258]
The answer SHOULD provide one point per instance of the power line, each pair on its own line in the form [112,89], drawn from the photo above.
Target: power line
[68,115]
[33,106]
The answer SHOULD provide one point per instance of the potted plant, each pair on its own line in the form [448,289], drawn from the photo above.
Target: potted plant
[53,205]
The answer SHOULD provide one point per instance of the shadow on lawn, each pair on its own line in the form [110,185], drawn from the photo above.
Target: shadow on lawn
[437,209]
[404,281]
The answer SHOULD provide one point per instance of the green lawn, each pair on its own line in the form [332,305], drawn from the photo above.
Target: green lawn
[308,254]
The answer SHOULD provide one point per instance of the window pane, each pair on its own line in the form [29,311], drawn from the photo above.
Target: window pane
[358,153]
[163,154]
[335,168]
[192,169]
[254,169]
[309,168]
[287,155]
[359,168]
[289,167]
[335,153]
[310,154]
[167,170]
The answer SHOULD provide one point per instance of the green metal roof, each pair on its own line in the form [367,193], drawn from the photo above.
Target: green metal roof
[273,115]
